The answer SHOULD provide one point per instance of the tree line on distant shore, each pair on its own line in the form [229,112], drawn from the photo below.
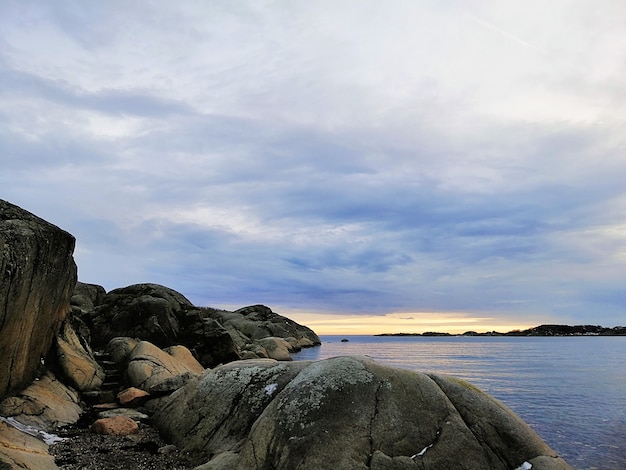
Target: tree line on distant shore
[542,330]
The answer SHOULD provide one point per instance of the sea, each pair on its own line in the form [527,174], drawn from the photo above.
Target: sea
[571,390]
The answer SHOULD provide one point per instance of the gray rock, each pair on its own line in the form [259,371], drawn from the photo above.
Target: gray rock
[120,348]
[128,412]
[37,277]
[86,297]
[145,311]
[345,413]
[164,317]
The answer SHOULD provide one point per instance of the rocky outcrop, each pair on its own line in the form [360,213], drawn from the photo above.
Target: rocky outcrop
[346,413]
[164,317]
[37,277]
[258,321]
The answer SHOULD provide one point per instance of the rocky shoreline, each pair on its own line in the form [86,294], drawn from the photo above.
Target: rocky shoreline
[139,377]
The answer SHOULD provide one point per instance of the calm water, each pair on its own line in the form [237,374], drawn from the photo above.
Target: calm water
[571,390]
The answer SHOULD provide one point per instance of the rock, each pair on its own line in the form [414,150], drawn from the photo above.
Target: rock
[116,426]
[120,348]
[37,278]
[86,297]
[182,354]
[259,321]
[224,403]
[76,359]
[168,449]
[129,413]
[145,311]
[345,413]
[132,397]
[276,348]
[148,366]
[46,404]
[163,317]
[22,451]
[170,385]
[208,339]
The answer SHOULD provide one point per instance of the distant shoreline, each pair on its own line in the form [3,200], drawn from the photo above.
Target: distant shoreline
[542,330]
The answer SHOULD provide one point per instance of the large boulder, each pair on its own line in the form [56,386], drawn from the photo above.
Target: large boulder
[37,277]
[148,366]
[145,311]
[47,404]
[346,413]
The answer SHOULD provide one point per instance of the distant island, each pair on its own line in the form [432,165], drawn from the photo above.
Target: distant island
[542,330]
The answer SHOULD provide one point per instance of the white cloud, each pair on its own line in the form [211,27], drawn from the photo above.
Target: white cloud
[354,157]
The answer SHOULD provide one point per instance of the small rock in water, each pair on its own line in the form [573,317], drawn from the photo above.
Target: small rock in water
[345,340]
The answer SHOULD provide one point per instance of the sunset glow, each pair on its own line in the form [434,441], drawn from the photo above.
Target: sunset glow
[454,323]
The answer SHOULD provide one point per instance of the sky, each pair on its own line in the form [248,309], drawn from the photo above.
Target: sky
[359,166]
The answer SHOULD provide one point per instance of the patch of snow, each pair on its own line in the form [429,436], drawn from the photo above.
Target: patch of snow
[525,466]
[32,431]
[270,389]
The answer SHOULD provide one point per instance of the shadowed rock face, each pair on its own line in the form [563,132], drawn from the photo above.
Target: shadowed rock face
[164,317]
[37,277]
[346,413]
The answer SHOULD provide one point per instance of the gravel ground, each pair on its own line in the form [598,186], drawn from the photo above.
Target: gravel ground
[84,449]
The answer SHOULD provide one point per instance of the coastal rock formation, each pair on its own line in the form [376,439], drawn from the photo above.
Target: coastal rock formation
[345,413]
[258,321]
[37,277]
[166,318]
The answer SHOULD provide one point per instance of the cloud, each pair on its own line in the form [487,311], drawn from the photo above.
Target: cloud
[356,159]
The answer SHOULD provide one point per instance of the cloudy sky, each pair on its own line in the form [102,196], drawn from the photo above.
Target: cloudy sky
[357,165]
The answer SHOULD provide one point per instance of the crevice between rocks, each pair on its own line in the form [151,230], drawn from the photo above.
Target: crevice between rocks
[371,423]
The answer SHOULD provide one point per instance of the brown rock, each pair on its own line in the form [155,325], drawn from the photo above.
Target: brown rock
[76,359]
[46,404]
[38,277]
[117,426]
[183,354]
[132,397]
[22,451]
[149,366]
[276,348]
